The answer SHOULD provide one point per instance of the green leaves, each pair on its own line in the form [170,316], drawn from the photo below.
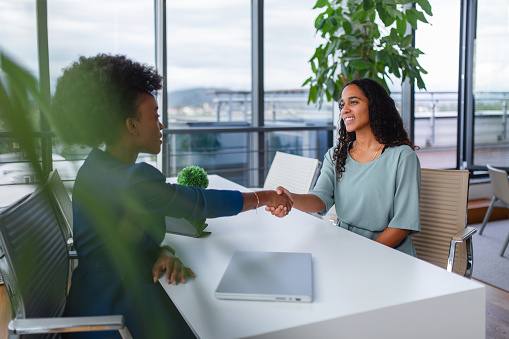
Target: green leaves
[193,176]
[356,47]
[321,3]
[426,7]
[19,93]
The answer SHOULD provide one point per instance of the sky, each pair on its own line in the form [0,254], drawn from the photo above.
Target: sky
[209,42]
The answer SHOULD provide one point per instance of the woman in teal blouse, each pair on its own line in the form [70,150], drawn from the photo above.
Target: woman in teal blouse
[372,175]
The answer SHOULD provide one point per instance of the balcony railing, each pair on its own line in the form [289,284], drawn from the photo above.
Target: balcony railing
[216,134]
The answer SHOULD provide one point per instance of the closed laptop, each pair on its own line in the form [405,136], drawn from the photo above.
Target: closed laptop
[268,276]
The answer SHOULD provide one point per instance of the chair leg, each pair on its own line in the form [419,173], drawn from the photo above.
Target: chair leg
[488,214]
[505,246]
[452,254]
[470,258]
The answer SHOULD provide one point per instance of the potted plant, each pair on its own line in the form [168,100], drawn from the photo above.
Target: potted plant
[189,176]
[365,39]
[193,176]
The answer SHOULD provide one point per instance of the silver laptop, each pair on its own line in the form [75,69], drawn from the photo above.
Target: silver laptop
[268,276]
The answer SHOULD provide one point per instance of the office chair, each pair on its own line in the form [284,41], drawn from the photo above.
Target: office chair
[500,188]
[296,173]
[444,240]
[63,203]
[34,261]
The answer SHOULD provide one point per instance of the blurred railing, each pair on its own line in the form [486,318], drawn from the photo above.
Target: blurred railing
[217,133]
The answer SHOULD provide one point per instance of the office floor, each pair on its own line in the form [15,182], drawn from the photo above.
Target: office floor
[497,313]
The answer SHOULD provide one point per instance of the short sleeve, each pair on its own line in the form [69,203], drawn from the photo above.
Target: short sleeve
[325,184]
[406,197]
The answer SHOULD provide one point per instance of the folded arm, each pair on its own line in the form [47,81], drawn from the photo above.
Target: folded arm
[392,237]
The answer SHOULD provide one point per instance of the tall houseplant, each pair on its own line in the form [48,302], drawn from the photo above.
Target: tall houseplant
[365,39]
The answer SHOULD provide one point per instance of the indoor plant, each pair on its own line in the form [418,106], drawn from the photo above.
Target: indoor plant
[193,176]
[365,39]
[189,176]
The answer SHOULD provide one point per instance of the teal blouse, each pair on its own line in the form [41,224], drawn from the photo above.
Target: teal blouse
[373,196]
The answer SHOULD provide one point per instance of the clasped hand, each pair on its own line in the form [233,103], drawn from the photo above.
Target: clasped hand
[281,210]
[175,271]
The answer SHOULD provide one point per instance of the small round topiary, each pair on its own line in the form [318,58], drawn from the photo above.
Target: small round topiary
[193,176]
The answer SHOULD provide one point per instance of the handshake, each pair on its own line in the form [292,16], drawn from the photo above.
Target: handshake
[284,201]
[279,202]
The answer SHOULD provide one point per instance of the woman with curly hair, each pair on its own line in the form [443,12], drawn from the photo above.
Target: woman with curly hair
[119,206]
[372,175]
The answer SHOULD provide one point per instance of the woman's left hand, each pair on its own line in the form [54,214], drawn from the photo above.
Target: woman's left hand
[175,271]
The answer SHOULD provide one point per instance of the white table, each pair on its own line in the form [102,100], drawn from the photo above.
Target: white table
[361,289]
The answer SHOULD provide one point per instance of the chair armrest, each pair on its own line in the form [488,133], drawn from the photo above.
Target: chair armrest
[464,234]
[68,324]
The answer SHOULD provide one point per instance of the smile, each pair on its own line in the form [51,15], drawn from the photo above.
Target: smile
[349,119]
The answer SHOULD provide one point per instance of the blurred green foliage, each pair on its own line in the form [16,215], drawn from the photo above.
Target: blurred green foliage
[20,98]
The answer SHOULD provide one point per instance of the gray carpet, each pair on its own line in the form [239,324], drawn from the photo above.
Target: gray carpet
[489,266]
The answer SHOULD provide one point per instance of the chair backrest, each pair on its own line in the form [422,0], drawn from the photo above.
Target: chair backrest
[499,184]
[34,259]
[296,173]
[62,200]
[443,209]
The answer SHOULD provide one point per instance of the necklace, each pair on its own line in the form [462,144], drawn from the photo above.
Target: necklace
[374,156]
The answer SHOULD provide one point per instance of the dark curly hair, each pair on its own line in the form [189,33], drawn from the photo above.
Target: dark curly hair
[384,120]
[95,95]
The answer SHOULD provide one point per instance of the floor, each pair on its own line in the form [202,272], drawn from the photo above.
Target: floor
[497,313]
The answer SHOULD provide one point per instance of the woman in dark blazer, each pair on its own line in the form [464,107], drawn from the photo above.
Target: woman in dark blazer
[119,205]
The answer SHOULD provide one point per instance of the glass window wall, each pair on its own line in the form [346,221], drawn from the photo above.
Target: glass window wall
[18,34]
[436,109]
[86,29]
[209,78]
[491,90]
[209,61]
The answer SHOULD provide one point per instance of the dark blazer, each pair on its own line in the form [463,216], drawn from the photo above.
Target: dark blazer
[118,212]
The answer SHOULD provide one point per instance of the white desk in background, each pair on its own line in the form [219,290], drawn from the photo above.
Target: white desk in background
[361,289]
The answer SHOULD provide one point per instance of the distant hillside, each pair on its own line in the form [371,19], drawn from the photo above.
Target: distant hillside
[191,97]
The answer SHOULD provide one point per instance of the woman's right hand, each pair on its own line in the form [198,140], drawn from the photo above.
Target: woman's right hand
[279,211]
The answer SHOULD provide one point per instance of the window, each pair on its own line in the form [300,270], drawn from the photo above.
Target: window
[436,110]
[491,90]
[209,61]
[19,41]
[87,28]
[290,42]
[209,84]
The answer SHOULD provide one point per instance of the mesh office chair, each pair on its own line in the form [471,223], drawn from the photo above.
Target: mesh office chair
[296,173]
[34,261]
[444,240]
[63,203]
[500,188]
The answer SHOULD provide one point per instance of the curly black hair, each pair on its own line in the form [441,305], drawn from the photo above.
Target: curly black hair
[95,95]
[384,119]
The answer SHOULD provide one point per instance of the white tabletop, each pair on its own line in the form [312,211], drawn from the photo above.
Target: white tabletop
[361,289]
